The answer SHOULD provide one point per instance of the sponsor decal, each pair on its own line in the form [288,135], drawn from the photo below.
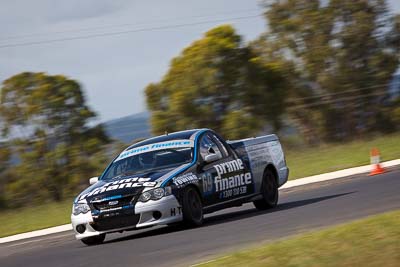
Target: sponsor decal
[228,167]
[111,214]
[176,211]
[185,179]
[120,184]
[232,181]
[155,147]
[263,153]
[229,183]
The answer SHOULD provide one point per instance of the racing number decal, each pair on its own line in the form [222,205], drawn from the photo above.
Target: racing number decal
[207,183]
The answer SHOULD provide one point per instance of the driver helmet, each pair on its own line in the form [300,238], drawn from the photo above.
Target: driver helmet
[147,160]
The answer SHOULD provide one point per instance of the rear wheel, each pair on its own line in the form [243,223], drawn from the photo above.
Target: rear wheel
[94,240]
[192,207]
[269,191]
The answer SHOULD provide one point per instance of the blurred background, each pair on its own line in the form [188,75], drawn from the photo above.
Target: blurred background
[80,81]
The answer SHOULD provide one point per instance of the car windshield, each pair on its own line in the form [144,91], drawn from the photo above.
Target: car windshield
[148,161]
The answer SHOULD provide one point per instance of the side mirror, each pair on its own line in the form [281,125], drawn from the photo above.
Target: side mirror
[93,180]
[211,158]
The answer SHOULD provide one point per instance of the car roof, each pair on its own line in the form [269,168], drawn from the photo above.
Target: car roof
[167,137]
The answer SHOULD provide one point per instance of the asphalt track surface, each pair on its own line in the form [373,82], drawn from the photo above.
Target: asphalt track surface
[301,209]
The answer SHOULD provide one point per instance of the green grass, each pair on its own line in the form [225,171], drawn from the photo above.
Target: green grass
[34,218]
[332,157]
[302,163]
[374,241]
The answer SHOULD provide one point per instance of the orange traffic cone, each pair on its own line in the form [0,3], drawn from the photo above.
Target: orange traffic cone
[375,162]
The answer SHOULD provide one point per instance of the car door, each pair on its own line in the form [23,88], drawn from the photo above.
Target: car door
[225,177]
[238,176]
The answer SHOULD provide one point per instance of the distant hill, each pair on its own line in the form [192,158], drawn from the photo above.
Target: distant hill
[129,128]
[125,129]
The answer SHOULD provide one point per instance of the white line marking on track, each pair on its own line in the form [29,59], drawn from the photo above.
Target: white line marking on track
[37,240]
[205,262]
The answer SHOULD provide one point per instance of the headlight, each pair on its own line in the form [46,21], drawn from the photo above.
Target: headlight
[79,208]
[146,196]
[155,194]
[158,193]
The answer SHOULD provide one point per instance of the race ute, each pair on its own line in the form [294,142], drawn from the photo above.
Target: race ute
[179,177]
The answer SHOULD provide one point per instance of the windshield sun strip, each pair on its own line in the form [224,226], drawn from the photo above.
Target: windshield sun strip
[171,144]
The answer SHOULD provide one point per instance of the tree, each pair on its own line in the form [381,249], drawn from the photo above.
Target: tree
[5,157]
[219,83]
[344,54]
[45,118]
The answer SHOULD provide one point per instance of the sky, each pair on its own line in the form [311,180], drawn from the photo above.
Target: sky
[114,48]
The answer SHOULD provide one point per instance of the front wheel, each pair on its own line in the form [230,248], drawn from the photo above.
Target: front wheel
[192,207]
[269,191]
[94,240]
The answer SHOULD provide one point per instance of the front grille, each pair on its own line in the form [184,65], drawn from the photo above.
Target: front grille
[104,224]
[105,205]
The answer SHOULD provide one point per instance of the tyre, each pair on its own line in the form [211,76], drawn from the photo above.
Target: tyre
[94,240]
[269,191]
[192,207]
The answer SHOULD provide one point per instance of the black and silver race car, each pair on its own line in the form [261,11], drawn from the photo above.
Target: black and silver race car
[178,177]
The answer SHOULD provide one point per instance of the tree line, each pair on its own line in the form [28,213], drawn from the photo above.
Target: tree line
[322,67]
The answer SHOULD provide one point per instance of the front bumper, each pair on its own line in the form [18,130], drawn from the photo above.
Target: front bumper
[159,212]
